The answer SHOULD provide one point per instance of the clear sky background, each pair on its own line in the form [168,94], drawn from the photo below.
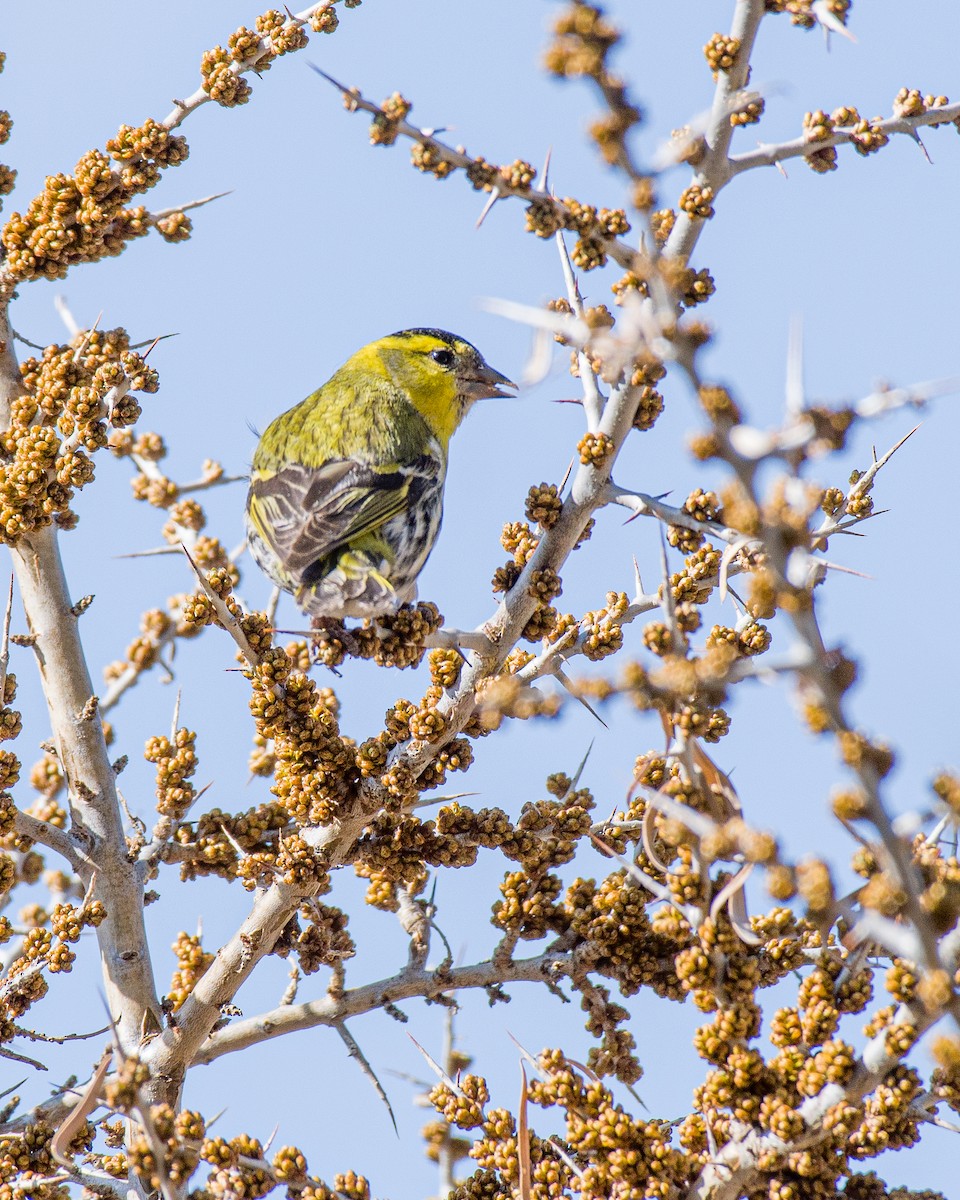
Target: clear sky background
[325,243]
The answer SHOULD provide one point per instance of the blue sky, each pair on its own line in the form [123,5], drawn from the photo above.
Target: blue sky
[325,243]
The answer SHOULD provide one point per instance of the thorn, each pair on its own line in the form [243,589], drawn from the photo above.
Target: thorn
[830,23]
[240,852]
[68,319]
[33,346]
[730,888]
[5,644]
[354,1051]
[566,475]
[545,171]
[330,79]
[276,1129]
[13,1088]
[436,1068]
[579,771]
[738,602]
[176,717]
[297,633]
[526,1054]
[729,554]
[568,684]
[160,338]
[667,599]
[572,327]
[569,275]
[637,581]
[923,150]
[187,207]
[494,197]
[890,453]
[149,553]
[226,617]
[65,315]
[271,609]
[832,566]
[153,345]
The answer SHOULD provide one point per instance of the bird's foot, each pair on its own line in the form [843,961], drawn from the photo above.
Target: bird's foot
[331,642]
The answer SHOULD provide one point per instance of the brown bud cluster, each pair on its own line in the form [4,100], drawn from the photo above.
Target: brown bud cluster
[595,449]
[543,505]
[584,39]
[721,53]
[175,762]
[315,769]
[697,201]
[748,113]
[87,216]
[546,216]
[429,159]
[385,126]
[72,395]
[192,963]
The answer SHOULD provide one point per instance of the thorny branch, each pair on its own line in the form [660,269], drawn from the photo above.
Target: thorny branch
[681,840]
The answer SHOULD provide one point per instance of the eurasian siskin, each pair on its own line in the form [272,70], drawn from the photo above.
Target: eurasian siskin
[346,488]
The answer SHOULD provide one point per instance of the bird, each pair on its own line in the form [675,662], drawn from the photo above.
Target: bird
[346,488]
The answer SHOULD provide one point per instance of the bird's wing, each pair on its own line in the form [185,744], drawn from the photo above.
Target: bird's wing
[306,514]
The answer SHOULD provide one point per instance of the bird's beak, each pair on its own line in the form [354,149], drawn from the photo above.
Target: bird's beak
[485,384]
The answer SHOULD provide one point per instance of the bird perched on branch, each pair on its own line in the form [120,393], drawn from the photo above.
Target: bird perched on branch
[346,488]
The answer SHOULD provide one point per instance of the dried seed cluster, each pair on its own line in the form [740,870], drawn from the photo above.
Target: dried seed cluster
[72,395]
[45,947]
[667,918]
[721,53]
[315,768]
[546,214]
[582,44]
[87,215]
[275,33]
[175,761]
[192,964]
[383,131]
[186,614]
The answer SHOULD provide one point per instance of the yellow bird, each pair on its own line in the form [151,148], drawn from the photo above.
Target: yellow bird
[346,489]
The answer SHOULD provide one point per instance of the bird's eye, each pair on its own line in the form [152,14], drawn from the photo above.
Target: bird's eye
[443,358]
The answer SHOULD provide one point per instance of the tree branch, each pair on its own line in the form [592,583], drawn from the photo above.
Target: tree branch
[408,984]
[96,833]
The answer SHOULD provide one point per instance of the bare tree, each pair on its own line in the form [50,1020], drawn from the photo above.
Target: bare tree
[669,913]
